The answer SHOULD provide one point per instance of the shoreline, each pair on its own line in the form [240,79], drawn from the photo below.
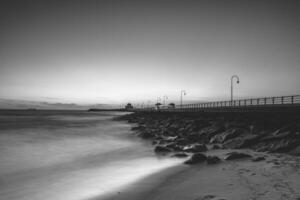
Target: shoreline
[262,174]
[275,178]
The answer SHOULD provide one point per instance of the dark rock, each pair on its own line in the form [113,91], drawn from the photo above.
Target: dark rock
[249,140]
[155,142]
[196,158]
[138,128]
[257,159]
[195,148]
[182,141]
[284,145]
[213,160]
[146,134]
[243,141]
[180,155]
[295,151]
[162,149]
[222,137]
[236,155]
[170,138]
[277,135]
[194,137]
[216,146]
[209,132]
[174,146]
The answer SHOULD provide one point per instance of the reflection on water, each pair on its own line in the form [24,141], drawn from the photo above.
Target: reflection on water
[70,156]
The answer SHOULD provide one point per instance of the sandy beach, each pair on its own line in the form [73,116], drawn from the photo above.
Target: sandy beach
[275,178]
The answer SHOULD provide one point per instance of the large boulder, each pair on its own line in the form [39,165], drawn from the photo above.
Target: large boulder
[195,148]
[237,155]
[196,158]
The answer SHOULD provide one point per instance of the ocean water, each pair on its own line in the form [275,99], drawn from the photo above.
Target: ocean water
[70,155]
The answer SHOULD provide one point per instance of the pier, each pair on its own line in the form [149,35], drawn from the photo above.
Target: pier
[265,104]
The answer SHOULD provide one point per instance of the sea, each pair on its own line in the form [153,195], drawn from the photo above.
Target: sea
[71,155]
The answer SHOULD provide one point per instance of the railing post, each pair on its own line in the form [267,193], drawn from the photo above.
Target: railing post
[239,102]
[282,100]
[265,101]
[251,102]
[273,100]
[245,102]
[292,99]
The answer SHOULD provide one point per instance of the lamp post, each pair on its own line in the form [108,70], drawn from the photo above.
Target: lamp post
[237,81]
[182,92]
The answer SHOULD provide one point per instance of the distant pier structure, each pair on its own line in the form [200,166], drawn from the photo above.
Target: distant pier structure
[265,104]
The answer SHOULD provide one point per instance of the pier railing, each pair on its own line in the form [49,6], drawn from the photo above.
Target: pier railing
[278,101]
[266,101]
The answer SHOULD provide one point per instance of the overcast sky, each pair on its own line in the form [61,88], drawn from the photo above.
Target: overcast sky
[119,51]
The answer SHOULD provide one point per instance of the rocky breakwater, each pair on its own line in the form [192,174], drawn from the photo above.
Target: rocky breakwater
[183,134]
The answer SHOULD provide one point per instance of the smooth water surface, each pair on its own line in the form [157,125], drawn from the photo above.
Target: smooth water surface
[70,155]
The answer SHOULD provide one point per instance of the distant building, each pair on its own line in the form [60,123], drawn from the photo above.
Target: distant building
[128,106]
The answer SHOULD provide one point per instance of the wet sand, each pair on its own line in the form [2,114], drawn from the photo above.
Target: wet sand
[276,178]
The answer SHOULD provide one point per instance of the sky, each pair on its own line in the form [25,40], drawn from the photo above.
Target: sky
[97,52]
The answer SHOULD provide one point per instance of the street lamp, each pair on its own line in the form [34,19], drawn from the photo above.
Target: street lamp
[182,92]
[237,81]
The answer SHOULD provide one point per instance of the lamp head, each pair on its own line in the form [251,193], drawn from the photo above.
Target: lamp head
[238,81]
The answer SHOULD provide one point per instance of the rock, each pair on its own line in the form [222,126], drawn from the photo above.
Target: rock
[209,132]
[162,149]
[257,159]
[213,160]
[195,148]
[236,155]
[180,155]
[243,141]
[155,142]
[194,137]
[146,134]
[140,127]
[174,146]
[249,140]
[277,135]
[196,158]
[182,141]
[222,137]
[216,146]
[284,145]
[295,151]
